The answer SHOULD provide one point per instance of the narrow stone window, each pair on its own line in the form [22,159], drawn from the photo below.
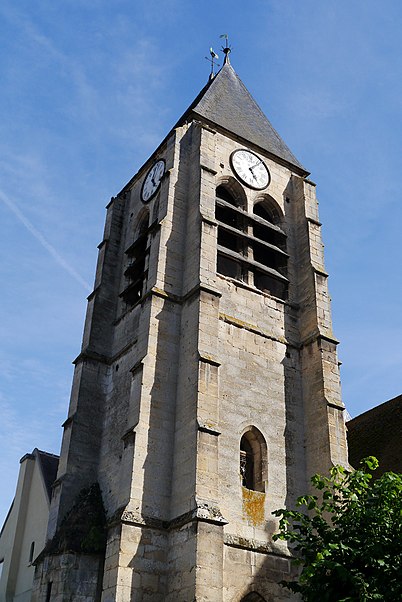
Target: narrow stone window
[31,552]
[246,463]
[253,460]
[136,271]
[48,591]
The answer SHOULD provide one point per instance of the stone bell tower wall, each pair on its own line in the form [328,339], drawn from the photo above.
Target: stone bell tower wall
[166,386]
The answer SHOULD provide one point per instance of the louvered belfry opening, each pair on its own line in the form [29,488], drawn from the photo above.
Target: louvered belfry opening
[136,271]
[269,252]
[251,248]
[231,242]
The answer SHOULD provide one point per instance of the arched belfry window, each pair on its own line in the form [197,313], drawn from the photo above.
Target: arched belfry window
[136,271]
[251,247]
[253,460]
[231,226]
[269,250]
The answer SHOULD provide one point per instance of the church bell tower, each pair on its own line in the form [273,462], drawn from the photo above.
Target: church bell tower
[207,388]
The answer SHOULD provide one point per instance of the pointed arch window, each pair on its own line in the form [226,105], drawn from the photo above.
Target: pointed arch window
[137,269]
[251,248]
[253,460]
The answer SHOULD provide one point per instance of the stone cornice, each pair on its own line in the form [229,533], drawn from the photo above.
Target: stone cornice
[203,512]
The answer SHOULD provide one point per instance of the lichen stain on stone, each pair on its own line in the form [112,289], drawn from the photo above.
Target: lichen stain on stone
[253,506]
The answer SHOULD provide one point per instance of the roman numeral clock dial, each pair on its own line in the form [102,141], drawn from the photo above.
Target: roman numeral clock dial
[250,169]
[152,181]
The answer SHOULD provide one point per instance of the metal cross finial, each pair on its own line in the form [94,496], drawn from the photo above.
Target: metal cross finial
[214,56]
[226,49]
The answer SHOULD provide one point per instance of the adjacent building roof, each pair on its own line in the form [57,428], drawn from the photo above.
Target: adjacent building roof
[226,102]
[378,433]
[48,464]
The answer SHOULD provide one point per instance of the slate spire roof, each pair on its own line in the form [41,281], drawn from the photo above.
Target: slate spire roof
[226,102]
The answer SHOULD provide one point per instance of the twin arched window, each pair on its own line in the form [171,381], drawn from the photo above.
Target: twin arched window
[253,460]
[251,248]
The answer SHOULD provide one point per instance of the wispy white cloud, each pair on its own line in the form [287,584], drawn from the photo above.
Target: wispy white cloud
[42,240]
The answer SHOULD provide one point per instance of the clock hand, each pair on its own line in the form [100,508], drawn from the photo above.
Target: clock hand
[252,172]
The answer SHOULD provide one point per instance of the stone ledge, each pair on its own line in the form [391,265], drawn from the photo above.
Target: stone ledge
[103,243]
[336,406]
[209,220]
[206,127]
[308,181]
[138,365]
[251,327]
[204,512]
[320,271]
[208,428]
[262,547]
[202,288]
[318,336]
[208,169]
[208,359]
[257,291]
[311,220]
[110,203]
[92,295]
[68,421]
[87,354]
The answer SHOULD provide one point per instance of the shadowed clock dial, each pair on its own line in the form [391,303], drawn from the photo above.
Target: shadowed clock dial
[152,181]
[250,169]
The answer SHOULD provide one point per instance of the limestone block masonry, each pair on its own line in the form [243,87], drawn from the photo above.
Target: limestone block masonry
[201,381]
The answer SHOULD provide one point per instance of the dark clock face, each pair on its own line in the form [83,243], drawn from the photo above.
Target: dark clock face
[250,169]
[152,181]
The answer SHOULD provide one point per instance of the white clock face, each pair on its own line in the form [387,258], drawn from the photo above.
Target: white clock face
[152,181]
[250,169]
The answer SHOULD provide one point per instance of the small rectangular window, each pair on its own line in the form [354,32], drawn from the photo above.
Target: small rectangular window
[31,552]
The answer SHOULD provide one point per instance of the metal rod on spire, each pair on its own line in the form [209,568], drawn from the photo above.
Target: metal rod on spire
[214,57]
[226,49]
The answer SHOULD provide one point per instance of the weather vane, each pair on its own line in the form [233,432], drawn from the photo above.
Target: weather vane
[226,49]
[212,60]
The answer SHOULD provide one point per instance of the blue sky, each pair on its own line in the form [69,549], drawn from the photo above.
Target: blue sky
[88,91]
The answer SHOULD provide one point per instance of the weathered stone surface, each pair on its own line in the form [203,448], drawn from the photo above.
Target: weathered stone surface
[165,389]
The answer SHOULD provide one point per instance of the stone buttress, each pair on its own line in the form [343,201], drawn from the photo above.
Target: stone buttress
[207,388]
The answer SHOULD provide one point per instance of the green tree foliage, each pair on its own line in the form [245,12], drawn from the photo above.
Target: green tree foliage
[348,538]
